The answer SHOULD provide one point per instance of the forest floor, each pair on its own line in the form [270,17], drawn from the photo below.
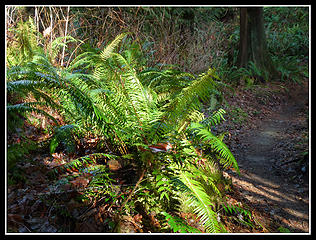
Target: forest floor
[269,137]
[271,148]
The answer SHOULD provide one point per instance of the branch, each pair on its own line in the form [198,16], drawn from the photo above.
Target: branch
[63,55]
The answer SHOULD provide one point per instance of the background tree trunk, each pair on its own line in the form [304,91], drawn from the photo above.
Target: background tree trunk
[253,46]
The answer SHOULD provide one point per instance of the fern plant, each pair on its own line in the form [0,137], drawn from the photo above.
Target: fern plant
[134,109]
[23,45]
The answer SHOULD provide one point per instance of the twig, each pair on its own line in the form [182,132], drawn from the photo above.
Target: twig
[74,52]
[133,191]
[66,28]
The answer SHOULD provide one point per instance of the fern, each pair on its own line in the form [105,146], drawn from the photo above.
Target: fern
[106,53]
[243,215]
[25,47]
[179,225]
[64,135]
[29,107]
[188,100]
[107,95]
[83,162]
[201,202]
[216,118]
[227,158]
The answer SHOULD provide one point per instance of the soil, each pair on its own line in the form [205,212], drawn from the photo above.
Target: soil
[274,177]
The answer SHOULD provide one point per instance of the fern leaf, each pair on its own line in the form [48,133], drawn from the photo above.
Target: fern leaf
[179,225]
[217,145]
[82,162]
[201,202]
[29,107]
[189,99]
[215,118]
[106,53]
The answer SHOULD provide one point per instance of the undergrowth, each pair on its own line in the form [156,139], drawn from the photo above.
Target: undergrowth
[134,111]
[143,113]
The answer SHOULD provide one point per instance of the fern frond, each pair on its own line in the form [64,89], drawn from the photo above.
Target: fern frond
[106,53]
[201,202]
[64,134]
[216,118]
[82,162]
[30,107]
[189,99]
[179,225]
[227,158]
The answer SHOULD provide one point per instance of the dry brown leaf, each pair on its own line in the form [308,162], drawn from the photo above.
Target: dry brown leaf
[80,182]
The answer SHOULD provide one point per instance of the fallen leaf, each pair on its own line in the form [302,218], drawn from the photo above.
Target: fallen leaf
[80,182]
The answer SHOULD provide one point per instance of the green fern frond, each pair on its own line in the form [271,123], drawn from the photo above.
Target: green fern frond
[64,134]
[189,99]
[227,158]
[29,107]
[201,202]
[179,225]
[106,53]
[216,118]
[83,162]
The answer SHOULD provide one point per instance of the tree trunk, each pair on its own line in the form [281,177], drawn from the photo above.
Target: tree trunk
[253,46]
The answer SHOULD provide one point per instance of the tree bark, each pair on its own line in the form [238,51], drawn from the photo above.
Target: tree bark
[253,46]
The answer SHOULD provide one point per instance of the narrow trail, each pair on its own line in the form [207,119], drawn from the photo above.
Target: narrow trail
[262,181]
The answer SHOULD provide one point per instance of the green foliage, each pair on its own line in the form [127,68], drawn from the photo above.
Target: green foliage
[83,162]
[288,39]
[178,225]
[226,157]
[24,46]
[64,135]
[243,215]
[216,118]
[201,201]
[101,184]
[284,230]
[289,68]
[110,95]
[58,44]
[288,31]
[16,152]
[287,34]
[163,185]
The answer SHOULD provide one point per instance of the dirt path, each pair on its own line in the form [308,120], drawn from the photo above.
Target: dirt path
[263,182]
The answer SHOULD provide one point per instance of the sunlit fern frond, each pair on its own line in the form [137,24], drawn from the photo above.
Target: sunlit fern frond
[226,157]
[200,201]
[106,53]
[189,99]
[179,225]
